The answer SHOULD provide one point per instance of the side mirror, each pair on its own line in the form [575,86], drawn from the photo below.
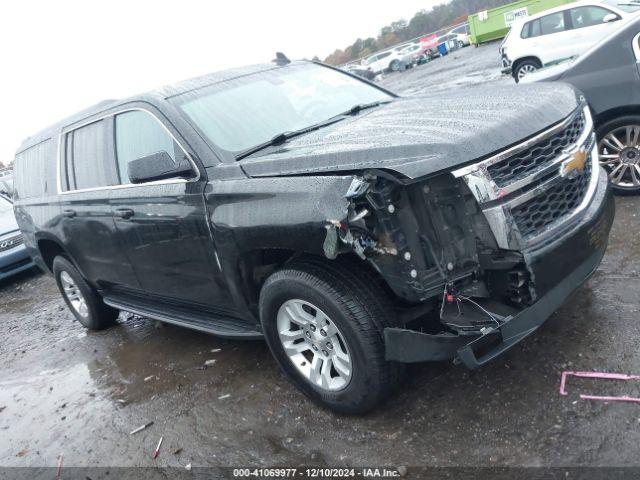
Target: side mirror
[610,17]
[157,166]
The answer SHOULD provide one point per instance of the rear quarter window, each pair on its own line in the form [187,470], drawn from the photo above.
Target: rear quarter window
[32,170]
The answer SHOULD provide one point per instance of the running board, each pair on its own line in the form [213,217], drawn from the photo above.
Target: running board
[226,328]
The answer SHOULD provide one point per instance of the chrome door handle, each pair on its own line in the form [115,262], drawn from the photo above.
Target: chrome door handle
[69,213]
[124,213]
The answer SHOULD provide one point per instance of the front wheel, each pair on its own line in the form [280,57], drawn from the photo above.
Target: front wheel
[524,68]
[619,152]
[81,298]
[324,325]
[394,66]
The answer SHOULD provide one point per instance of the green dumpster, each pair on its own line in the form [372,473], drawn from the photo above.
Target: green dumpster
[493,24]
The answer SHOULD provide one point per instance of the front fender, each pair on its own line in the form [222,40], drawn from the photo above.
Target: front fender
[284,212]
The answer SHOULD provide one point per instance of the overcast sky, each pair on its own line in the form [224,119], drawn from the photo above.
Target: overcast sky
[61,56]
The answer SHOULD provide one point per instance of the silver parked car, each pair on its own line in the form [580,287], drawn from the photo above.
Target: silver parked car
[13,254]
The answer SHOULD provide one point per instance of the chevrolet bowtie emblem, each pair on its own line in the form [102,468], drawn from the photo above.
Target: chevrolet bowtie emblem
[574,166]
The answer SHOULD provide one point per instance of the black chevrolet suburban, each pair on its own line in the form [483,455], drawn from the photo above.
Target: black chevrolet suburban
[353,229]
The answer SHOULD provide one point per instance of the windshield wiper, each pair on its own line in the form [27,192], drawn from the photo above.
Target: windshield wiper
[281,138]
[362,106]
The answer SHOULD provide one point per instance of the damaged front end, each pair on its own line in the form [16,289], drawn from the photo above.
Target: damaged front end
[479,257]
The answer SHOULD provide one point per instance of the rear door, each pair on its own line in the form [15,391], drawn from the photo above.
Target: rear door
[553,42]
[87,174]
[163,224]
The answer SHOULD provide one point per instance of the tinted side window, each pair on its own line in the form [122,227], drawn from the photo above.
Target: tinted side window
[383,55]
[553,23]
[531,29]
[139,134]
[588,16]
[88,164]
[31,170]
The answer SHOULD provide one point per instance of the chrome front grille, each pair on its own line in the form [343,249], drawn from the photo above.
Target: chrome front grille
[11,242]
[537,157]
[542,212]
[531,191]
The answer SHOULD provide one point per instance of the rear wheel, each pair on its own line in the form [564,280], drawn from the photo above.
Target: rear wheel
[619,152]
[324,325]
[394,66]
[524,68]
[81,298]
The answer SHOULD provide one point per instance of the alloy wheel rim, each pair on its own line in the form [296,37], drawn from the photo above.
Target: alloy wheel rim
[619,152]
[314,345]
[526,70]
[73,294]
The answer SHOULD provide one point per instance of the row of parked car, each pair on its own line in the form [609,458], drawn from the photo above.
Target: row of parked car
[595,47]
[13,254]
[407,55]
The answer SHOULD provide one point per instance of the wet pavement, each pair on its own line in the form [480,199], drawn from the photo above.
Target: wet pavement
[461,68]
[63,389]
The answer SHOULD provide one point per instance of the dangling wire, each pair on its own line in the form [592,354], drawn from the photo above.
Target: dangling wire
[482,308]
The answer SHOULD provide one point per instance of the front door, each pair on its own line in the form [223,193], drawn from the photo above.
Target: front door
[163,225]
[589,26]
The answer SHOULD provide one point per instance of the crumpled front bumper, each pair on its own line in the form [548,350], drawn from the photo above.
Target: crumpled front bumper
[571,259]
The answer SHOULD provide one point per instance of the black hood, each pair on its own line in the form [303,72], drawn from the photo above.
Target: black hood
[418,136]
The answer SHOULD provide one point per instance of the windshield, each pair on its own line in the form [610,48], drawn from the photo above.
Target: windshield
[244,112]
[624,5]
[5,205]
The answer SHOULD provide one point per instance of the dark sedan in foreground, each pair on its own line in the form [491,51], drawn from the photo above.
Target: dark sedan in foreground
[608,75]
[13,254]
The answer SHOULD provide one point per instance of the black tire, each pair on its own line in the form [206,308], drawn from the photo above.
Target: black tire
[352,298]
[98,315]
[610,127]
[394,66]
[523,65]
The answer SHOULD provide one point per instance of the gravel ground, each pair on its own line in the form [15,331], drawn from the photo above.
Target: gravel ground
[63,389]
[462,68]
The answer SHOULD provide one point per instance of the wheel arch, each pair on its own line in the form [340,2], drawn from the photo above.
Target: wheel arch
[48,250]
[519,61]
[613,113]
[255,267]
